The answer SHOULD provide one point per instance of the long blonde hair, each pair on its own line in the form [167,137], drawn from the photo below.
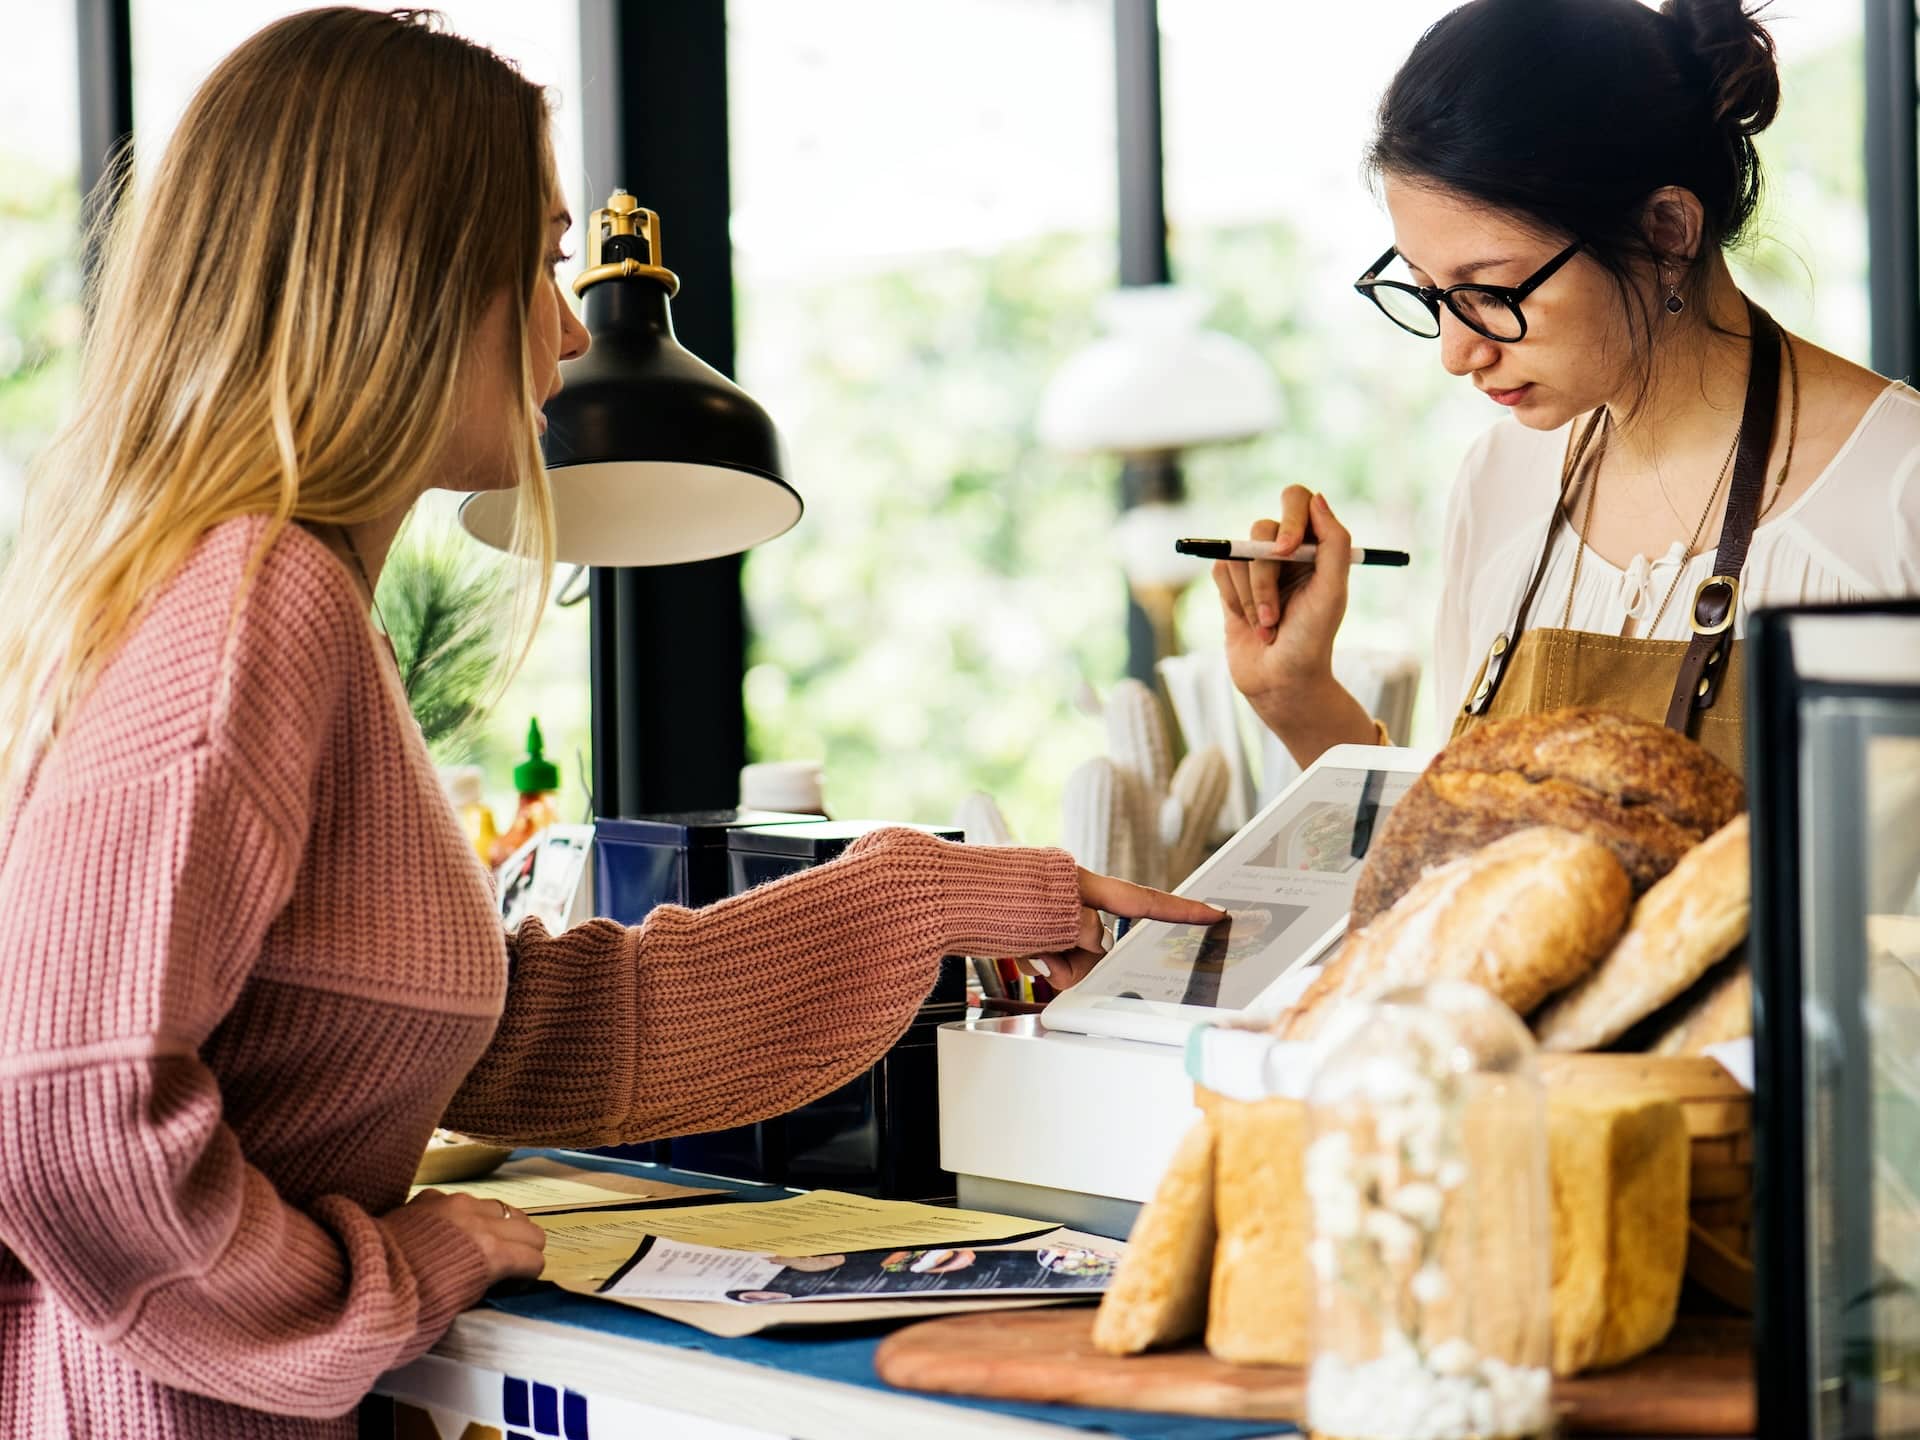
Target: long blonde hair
[279,328]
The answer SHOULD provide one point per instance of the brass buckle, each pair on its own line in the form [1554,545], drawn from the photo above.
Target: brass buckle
[1489,675]
[1725,622]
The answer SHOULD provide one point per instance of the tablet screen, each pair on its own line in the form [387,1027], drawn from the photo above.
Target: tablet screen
[1286,883]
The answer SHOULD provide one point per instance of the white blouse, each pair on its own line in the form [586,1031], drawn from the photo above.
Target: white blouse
[1854,534]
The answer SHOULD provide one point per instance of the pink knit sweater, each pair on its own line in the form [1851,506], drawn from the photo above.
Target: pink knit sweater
[249,963]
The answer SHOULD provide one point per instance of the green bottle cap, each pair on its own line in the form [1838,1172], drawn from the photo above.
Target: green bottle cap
[535,775]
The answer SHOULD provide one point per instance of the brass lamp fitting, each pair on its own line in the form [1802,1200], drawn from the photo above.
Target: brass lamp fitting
[624,217]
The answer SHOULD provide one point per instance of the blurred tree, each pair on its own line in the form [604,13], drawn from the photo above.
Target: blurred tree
[926,629]
[40,317]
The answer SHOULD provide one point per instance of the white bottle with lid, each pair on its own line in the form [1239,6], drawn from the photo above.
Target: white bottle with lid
[791,787]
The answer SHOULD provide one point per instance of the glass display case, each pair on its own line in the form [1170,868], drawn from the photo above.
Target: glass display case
[1834,774]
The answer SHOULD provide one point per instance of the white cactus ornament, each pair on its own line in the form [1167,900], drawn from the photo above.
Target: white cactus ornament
[1131,813]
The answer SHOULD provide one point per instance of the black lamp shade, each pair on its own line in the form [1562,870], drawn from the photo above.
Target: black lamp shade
[655,457]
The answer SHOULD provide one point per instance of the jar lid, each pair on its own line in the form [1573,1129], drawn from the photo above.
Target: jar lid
[786,785]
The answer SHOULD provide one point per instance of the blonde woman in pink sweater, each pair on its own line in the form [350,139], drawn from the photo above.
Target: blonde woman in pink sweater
[247,962]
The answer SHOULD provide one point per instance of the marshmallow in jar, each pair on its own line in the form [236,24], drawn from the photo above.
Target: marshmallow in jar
[1426,1176]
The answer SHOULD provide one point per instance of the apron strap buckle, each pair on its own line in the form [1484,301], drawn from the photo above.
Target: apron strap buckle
[1714,602]
[1482,696]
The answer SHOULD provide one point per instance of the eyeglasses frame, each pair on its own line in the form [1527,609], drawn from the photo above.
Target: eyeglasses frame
[1434,296]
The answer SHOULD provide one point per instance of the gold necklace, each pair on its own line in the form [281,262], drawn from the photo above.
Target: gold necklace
[1586,520]
[1726,465]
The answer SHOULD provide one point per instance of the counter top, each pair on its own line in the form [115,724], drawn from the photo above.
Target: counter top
[530,1354]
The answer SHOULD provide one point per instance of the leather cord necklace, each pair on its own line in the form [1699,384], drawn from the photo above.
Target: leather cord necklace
[1693,541]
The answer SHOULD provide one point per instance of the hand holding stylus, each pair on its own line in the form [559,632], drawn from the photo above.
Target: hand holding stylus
[1281,620]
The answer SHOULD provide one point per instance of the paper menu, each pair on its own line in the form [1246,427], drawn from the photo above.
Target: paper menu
[586,1249]
[673,1270]
[729,1319]
[539,1185]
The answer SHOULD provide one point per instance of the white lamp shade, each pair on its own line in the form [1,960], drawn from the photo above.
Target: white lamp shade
[1143,540]
[646,512]
[1157,380]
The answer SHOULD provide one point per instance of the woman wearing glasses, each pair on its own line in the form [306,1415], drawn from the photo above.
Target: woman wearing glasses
[1564,178]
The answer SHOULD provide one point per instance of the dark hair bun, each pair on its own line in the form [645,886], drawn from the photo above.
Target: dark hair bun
[1738,57]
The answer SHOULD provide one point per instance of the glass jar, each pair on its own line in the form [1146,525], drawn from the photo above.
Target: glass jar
[1426,1177]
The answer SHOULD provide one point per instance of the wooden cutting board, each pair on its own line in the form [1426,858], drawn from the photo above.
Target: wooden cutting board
[1699,1383]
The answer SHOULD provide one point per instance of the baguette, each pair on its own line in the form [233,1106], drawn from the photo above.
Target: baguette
[1681,926]
[1722,1011]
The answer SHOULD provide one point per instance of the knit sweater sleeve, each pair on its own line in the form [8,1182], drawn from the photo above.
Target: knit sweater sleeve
[123,1190]
[136,888]
[748,1008]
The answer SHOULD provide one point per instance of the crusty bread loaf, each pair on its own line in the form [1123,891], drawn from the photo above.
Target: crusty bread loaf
[1646,792]
[1617,1167]
[1721,1010]
[1159,1294]
[1522,918]
[1262,1306]
[1690,918]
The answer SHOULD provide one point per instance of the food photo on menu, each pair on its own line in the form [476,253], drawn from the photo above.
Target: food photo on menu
[665,1269]
[1211,959]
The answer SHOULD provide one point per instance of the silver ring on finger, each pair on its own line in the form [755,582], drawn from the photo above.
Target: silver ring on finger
[1107,937]
[506,1210]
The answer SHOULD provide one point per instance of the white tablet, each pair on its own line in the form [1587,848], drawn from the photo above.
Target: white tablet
[1286,882]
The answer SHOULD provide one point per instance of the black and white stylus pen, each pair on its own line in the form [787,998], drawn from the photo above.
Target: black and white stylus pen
[1263,550]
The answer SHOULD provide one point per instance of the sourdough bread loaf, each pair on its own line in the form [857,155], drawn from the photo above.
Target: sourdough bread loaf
[1691,918]
[1646,792]
[1522,918]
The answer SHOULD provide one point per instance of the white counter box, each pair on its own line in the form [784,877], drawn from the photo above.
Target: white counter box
[1072,1128]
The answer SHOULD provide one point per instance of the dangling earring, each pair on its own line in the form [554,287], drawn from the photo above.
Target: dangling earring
[1674,303]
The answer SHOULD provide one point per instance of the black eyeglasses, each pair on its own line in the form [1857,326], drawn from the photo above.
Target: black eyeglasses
[1489,310]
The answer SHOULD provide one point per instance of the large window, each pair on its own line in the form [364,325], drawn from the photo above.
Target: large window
[923,220]
[1267,111]
[175,46]
[39,239]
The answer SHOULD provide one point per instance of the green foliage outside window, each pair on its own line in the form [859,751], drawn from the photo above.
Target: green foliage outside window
[40,317]
[928,628]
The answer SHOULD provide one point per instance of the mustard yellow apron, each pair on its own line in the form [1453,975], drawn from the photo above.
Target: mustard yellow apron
[1693,685]
[1552,669]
